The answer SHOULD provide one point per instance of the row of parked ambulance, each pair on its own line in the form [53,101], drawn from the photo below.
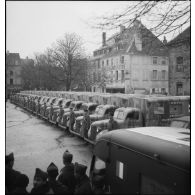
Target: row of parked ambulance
[146,160]
[56,110]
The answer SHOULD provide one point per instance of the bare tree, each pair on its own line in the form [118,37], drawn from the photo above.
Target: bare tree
[161,17]
[64,54]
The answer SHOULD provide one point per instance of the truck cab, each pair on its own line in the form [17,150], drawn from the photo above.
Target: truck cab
[101,112]
[125,118]
[181,122]
[53,106]
[76,105]
[79,114]
[47,105]
[146,160]
[58,113]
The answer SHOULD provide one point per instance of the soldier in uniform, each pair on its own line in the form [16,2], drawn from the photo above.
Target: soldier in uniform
[51,111]
[40,185]
[11,175]
[21,185]
[66,176]
[55,187]
[86,122]
[71,119]
[83,185]
[112,124]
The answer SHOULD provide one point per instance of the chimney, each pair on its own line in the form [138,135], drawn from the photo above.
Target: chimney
[122,28]
[165,40]
[137,23]
[103,39]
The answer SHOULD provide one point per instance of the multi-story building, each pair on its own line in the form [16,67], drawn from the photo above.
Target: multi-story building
[179,63]
[13,70]
[131,61]
[14,64]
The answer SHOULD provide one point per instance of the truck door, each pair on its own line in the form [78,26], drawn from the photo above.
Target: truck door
[134,119]
[123,179]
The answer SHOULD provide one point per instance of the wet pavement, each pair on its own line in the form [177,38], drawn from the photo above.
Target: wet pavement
[36,143]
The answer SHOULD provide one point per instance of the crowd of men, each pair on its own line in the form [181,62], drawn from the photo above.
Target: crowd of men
[72,179]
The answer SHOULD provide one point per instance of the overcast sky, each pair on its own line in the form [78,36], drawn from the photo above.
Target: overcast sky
[33,26]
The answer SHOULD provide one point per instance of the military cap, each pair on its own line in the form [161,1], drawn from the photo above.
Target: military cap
[9,158]
[22,181]
[41,174]
[67,156]
[80,169]
[52,168]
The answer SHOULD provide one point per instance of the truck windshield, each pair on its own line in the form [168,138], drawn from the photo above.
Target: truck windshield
[99,166]
[119,115]
[56,102]
[72,105]
[83,107]
[100,111]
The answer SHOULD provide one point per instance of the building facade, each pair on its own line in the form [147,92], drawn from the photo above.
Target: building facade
[180,63]
[13,73]
[131,61]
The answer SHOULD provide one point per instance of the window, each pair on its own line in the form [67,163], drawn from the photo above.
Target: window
[133,115]
[94,77]
[107,62]
[179,64]
[155,60]
[98,64]
[153,90]
[102,63]
[154,74]
[122,59]
[164,61]
[179,89]
[116,75]
[163,74]
[119,169]
[163,91]
[11,82]
[99,166]
[99,76]
[11,73]
[122,75]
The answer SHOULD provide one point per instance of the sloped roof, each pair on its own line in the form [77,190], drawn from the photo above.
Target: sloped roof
[151,45]
[182,37]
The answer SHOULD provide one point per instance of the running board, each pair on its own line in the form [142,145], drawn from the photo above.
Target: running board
[74,132]
[59,125]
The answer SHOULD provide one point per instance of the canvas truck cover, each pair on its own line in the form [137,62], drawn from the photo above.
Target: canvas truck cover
[172,145]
